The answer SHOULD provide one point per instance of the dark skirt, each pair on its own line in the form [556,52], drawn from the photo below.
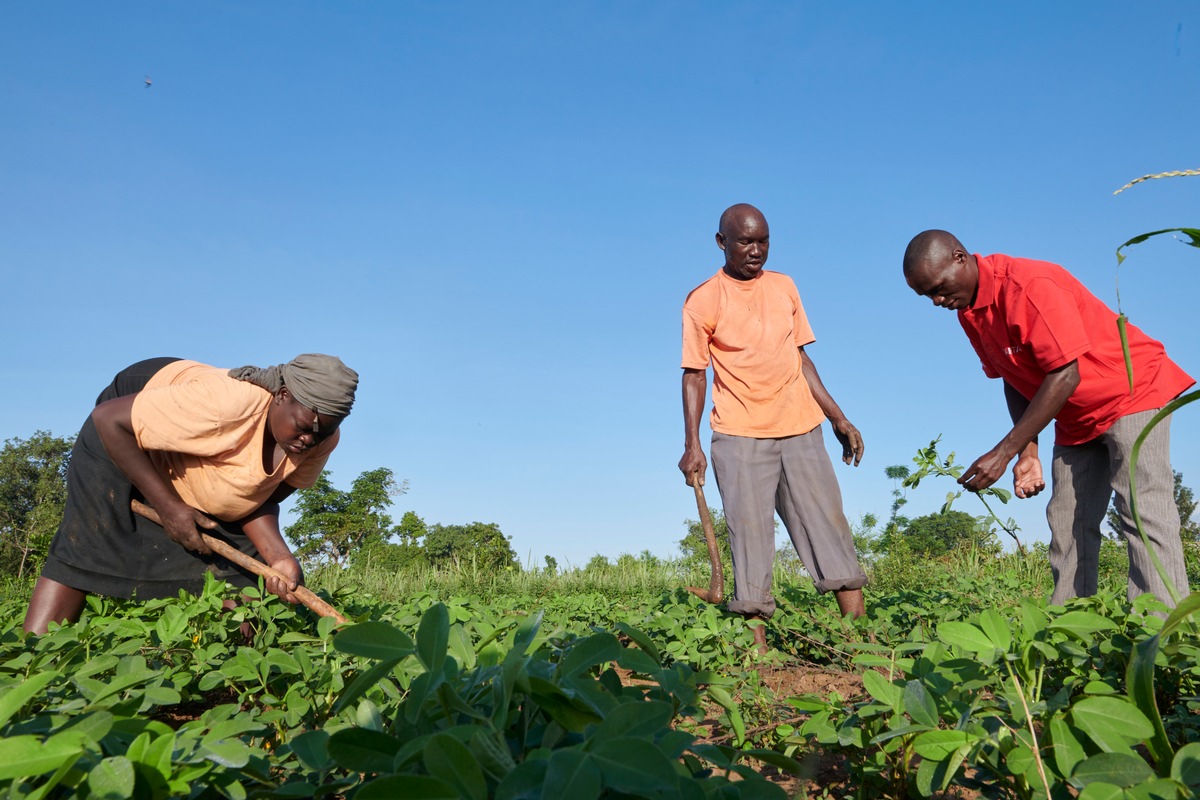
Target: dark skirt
[102,547]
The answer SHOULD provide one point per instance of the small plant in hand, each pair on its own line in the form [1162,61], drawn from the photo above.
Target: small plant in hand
[930,463]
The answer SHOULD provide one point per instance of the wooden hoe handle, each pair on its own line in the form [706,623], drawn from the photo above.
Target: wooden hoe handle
[716,585]
[226,550]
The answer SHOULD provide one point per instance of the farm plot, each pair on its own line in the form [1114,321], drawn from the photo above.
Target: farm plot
[936,691]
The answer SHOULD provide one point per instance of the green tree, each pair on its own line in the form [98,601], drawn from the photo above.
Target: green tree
[334,524]
[694,546]
[598,565]
[33,490]
[896,522]
[936,534]
[866,538]
[478,543]
[406,554]
[1185,501]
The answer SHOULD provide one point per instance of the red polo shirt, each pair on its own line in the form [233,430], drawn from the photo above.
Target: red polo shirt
[1032,317]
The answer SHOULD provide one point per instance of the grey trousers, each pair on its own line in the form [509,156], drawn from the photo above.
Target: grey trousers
[1085,477]
[794,476]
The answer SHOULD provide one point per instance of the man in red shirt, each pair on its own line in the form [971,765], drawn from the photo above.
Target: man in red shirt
[1058,350]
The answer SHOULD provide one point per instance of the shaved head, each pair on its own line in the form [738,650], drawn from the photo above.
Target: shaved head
[744,236]
[937,266]
[930,247]
[735,214]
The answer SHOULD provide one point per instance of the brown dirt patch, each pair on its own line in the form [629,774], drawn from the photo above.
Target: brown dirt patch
[789,681]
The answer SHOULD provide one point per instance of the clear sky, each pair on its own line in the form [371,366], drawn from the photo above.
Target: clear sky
[493,211]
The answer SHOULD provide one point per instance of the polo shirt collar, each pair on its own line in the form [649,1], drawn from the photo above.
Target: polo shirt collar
[985,292]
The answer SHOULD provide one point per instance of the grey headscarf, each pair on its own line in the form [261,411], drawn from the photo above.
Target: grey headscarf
[322,383]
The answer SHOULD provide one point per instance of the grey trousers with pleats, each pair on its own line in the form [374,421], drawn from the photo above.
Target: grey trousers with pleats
[1085,477]
[793,476]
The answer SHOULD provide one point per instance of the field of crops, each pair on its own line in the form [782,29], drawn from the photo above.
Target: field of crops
[961,683]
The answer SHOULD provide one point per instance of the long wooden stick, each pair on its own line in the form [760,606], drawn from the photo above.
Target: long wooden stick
[303,593]
[715,593]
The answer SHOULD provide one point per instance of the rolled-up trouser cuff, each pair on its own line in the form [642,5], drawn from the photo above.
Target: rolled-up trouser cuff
[762,608]
[840,584]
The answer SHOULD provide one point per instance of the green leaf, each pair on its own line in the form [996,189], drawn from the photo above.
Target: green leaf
[1123,333]
[433,637]
[1161,789]
[920,705]
[491,751]
[361,750]
[367,716]
[637,661]
[92,727]
[1065,747]
[722,698]
[572,774]
[231,753]
[935,776]
[1118,769]
[15,697]
[365,680]
[377,640]
[778,760]
[641,640]
[598,648]
[449,760]
[635,767]
[939,745]
[1113,723]
[1186,766]
[312,748]
[1082,623]
[1102,791]
[26,757]
[642,719]
[996,628]
[566,711]
[406,787]
[111,779]
[903,730]
[969,638]
[525,782]
[1192,234]
[1020,759]
[883,690]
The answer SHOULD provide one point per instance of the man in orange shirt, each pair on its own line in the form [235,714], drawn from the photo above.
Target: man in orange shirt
[768,405]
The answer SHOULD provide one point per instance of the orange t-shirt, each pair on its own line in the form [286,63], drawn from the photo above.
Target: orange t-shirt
[751,332]
[203,430]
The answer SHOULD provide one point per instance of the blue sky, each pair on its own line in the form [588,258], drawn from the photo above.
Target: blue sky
[494,212]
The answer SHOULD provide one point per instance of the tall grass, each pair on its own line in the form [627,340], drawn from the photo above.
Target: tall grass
[626,578]
[1009,576]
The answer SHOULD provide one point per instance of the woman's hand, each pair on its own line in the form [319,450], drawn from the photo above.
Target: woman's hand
[182,524]
[290,567]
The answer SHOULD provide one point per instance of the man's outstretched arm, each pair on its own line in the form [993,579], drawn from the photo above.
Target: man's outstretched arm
[1028,422]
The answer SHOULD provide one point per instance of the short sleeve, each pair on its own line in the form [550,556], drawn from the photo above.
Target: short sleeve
[801,329]
[201,417]
[697,333]
[989,369]
[307,473]
[1050,323]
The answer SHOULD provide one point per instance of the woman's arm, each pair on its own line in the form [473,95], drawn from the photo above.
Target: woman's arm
[114,422]
[262,528]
